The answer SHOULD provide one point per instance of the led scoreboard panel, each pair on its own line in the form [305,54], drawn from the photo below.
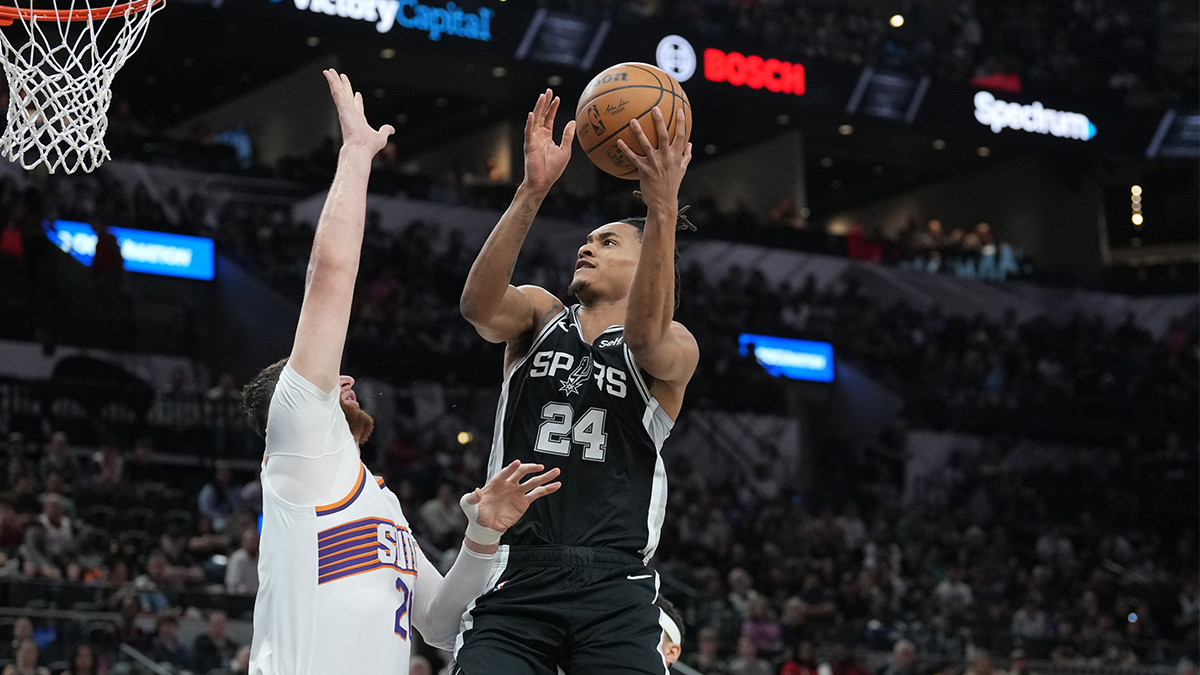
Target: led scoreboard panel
[168,255]
[790,358]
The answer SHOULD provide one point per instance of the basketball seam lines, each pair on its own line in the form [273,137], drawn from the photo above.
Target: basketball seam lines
[627,86]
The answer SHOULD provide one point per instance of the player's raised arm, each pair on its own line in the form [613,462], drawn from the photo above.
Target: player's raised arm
[333,266]
[498,310]
[491,510]
[665,349]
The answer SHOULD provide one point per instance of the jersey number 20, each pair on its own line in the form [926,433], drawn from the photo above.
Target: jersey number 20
[559,429]
[403,616]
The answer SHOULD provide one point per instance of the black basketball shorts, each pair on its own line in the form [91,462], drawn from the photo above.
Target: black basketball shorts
[589,611]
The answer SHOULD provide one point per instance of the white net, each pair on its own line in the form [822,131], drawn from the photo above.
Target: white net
[60,74]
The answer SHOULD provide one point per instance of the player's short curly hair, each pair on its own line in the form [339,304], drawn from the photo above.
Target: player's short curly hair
[256,396]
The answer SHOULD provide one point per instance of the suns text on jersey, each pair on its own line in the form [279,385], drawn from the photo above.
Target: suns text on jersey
[364,545]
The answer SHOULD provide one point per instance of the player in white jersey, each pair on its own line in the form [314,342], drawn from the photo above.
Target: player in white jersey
[342,582]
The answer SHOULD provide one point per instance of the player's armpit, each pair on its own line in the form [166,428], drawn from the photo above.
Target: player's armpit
[522,311]
[671,359]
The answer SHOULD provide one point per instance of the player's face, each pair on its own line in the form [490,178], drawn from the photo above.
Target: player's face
[361,424]
[346,384]
[605,264]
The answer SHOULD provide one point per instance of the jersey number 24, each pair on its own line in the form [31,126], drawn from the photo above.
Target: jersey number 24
[559,429]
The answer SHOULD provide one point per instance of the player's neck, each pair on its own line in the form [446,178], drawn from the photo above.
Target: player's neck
[596,315]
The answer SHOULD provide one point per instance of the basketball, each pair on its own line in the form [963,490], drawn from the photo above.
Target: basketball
[622,93]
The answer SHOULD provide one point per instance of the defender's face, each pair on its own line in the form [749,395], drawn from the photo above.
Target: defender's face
[346,384]
[606,263]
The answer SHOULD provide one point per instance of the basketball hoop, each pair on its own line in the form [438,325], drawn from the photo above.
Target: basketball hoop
[60,79]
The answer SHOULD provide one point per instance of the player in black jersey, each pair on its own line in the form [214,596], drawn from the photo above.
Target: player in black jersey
[592,389]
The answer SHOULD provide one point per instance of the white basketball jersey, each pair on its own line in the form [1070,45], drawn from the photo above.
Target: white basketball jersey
[336,582]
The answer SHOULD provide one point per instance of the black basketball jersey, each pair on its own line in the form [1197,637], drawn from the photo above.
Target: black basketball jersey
[587,410]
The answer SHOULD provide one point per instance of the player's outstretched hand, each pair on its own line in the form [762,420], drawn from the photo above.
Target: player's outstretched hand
[504,499]
[660,169]
[356,132]
[545,160]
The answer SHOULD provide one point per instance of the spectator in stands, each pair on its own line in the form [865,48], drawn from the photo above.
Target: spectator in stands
[26,662]
[22,630]
[214,649]
[706,660]
[1019,663]
[206,544]
[12,251]
[1029,622]
[56,487]
[143,471]
[161,576]
[747,661]
[980,663]
[444,520]
[220,499]
[241,574]
[60,533]
[845,662]
[166,648]
[903,661]
[58,460]
[241,661]
[762,627]
[953,594]
[12,527]
[791,624]
[108,467]
[83,661]
[16,446]
[802,663]
[127,631]
[36,560]
[820,606]
[224,399]
[1055,549]
[108,266]
[741,592]
[174,545]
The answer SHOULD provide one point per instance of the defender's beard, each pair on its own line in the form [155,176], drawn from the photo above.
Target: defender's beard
[361,424]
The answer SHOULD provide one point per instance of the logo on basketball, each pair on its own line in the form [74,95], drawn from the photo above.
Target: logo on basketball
[676,56]
[594,119]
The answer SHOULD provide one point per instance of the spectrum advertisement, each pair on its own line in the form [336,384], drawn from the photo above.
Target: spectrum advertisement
[168,255]
[790,358]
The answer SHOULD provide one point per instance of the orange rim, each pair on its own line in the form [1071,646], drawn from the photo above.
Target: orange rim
[10,14]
